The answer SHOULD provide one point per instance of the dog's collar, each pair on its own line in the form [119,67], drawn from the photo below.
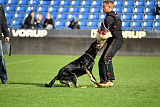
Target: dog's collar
[89,56]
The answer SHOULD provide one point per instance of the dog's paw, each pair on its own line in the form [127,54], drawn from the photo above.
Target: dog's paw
[48,85]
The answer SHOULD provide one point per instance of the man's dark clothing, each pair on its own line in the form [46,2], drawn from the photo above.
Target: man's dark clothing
[75,25]
[29,23]
[114,43]
[157,10]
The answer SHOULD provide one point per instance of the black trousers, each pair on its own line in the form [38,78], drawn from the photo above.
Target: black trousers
[105,62]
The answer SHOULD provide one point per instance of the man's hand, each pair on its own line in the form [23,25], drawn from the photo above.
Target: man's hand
[7,39]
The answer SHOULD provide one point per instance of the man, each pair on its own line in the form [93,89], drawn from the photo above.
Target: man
[74,24]
[30,21]
[158,8]
[114,43]
[5,31]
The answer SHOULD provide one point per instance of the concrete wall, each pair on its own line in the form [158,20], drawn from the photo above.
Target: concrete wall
[77,46]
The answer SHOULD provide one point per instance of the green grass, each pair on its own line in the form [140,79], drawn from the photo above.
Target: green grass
[137,83]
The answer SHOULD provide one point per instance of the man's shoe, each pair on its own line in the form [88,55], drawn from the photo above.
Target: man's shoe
[4,81]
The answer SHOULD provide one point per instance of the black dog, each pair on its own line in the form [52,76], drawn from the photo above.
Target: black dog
[79,67]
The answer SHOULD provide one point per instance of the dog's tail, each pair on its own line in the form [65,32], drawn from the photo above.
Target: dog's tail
[52,82]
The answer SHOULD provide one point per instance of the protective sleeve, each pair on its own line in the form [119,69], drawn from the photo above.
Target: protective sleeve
[109,20]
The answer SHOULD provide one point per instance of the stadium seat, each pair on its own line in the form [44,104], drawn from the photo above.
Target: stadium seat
[4,7]
[65,2]
[140,3]
[63,16]
[137,29]
[126,24]
[128,10]
[45,2]
[76,3]
[34,2]
[139,10]
[157,24]
[137,17]
[86,3]
[64,9]
[148,24]
[23,2]
[43,9]
[17,22]
[9,22]
[20,15]
[126,28]
[129,3]
[9,15]
[118,3]
[43,15]
[55,3]
[74,10]
[150,10]
[149,17]
[157,17]
[147,28]
[3,2]
[93,24]
[54,16]
[96,9]
[118,9]
[102,16]
[53,9]
[34,8]
[157,29]
[22,9]
[97,3]
[60,24]
[60,28]
[85,9]
[11,8]
[137,24]
[70,16]
[82,23]
[84,16]
[150,3]
[127,17]
[94,16]
[13,2]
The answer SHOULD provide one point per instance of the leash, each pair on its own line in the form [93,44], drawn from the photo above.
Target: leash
[90,56]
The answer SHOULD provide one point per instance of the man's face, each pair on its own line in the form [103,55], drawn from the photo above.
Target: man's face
[105,8]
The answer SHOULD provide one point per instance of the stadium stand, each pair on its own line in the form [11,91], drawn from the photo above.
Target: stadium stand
[135,14]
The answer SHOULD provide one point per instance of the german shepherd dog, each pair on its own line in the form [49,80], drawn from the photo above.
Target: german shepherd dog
[83,65]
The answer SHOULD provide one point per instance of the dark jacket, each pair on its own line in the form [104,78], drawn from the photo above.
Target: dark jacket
[113,22]
[48,21]
[3,24]
[157,10]
[74,26]
[28,21]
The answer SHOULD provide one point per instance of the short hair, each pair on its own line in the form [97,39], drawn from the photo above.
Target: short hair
[109,2]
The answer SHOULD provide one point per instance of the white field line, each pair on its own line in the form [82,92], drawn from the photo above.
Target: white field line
[23,61]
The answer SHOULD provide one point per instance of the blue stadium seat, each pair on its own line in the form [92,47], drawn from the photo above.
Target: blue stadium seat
[128,10]
[22,9]
[102,16]
[43,15]
[43,9]
[94,16]
[17,22]
[148,24]
[4,7]
[157,29]
[11,8]
[23,2]
[84,16]
[118,9]
[54,16]
[126,28]
[139,10]
[53,9]
[137,17]
[45,2]
[127,17]
[34,8]
[63,16]
[34,3]
[12,2]
[20,15]
[150,3]
[3,2]
[93,24]
[157,24]
[64,9]
[129,3]
[137,24]
[140,3]
[86,3]
[9,15]
[147,28]
[82,23]
[157,17]
[126,24]
[65,2]
[118,3]
[74,10]
[150,10]
[97,3]
[9,22]
[85,9]
[137,29]
[60,23]
[55,3]
[60,28]
[149,17]
[76,3]
[96,9]
[70,16]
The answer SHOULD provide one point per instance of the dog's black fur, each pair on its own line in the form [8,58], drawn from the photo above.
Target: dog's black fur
[69,73]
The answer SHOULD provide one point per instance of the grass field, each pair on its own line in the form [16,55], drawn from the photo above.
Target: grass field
[137,83]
